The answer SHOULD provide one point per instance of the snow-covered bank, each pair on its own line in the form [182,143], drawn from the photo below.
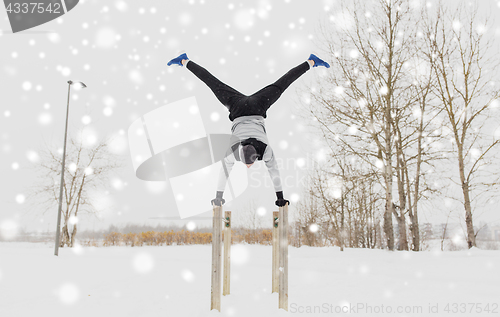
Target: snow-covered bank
[175,281]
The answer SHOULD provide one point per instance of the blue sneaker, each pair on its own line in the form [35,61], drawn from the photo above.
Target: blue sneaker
[318,61]
[178,60]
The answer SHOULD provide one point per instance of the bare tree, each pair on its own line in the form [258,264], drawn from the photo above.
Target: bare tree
[86,171]
[365,104]
[342,202]
[417,142]
[309,213]
[445,226]
[466,67]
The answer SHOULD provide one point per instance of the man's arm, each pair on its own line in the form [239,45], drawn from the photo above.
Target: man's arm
[272,167]
[225,170]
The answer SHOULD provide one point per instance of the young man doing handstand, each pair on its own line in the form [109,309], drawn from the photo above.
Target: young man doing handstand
[247,114]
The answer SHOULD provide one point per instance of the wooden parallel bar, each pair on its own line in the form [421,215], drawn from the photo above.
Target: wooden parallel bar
[275,231]
[283,257]
[227,254]
[216,257]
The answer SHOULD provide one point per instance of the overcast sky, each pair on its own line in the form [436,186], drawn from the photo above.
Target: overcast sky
[120,50]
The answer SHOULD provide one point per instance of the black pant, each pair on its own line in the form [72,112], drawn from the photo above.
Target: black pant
[239,104]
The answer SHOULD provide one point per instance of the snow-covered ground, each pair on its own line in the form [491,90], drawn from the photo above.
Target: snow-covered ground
[175,281]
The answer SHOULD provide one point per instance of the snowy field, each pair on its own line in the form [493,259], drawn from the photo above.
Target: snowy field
[175,281]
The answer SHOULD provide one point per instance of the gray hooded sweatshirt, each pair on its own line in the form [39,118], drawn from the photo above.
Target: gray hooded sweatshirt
[250,127]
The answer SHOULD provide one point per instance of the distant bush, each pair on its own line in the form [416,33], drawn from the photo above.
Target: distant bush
[184,237]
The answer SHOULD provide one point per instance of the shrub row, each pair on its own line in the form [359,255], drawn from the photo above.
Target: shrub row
[184,237]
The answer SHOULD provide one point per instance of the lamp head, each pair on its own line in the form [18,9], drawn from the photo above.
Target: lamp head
[77,84]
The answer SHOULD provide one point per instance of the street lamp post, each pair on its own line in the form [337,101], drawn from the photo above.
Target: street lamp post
[58,230]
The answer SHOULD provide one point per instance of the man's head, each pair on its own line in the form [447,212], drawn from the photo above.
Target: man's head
[248,155]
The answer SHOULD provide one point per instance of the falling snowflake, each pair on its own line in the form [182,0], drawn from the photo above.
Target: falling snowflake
[261,211]
[294,197]
[105,38]
[185,19]
[73,220]
[88,136]
[313,227]
[343,20]
[32,156]
[118,143]
[243,19]
[187,275]
[497,134]
[283,145]
[191,225]
[86,119]
[121,5]
[20,198]
[193,110]
[155,187]
[45,118]
[215,116]
[240,254]
[353,129]
[77,248]
[72,167]
[88,170]
[481,29]
[9,229]
[27,86]
[65,71]
[68,293]
[354,54]
[364,269]
[54,37]
[300,162]
[143,262]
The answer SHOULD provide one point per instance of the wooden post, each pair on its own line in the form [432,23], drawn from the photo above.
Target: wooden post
[227,253]
[216,257]
[275,252]
[283,257]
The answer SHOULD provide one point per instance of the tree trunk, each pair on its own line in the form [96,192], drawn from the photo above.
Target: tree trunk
[342,229]
[73,234]
[471,239]
[65,236]
[389,210]
[415,231]
[403,240]
[389,206]
[401,218]
[388,229]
